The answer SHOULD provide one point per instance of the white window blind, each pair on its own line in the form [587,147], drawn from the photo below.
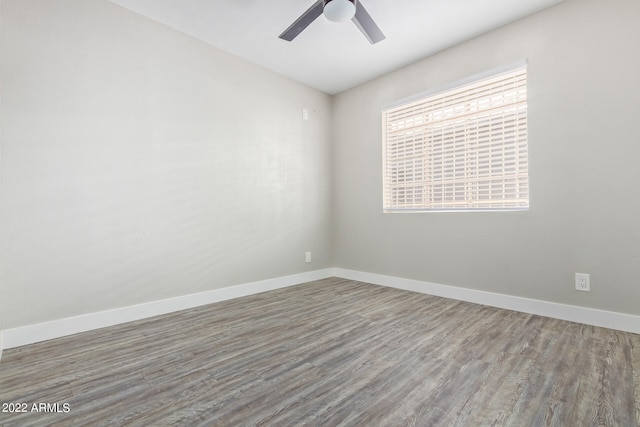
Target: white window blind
[460,149]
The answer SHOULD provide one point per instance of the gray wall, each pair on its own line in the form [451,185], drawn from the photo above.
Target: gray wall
[139,164]
[584,140]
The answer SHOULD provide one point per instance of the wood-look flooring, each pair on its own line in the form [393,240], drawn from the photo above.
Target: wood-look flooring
[328,353]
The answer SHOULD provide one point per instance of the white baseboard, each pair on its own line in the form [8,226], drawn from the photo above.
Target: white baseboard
[588,316]
[30,334]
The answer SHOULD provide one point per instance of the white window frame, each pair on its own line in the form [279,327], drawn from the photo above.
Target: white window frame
[462,147]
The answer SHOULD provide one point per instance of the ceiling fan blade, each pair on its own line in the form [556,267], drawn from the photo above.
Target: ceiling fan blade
[303,21]
[365,23]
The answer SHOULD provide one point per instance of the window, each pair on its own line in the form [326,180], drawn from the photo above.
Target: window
[462,148]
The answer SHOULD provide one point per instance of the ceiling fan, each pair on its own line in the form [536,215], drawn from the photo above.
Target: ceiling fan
[336,11]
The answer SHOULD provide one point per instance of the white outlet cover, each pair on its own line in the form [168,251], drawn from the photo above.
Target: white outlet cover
[582,282]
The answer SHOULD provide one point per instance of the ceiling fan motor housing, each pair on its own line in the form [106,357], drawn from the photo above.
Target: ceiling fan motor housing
[339,10]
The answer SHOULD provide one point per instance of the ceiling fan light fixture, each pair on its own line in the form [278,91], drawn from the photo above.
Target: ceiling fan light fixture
[339,10]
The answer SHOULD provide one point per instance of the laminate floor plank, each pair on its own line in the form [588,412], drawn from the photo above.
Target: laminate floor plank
[634,341]
[334,352]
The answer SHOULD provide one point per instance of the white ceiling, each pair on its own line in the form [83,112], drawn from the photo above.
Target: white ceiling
[328,56]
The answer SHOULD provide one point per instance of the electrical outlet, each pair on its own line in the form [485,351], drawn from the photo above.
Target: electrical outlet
[582,282]
[305,116]
[307,257]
